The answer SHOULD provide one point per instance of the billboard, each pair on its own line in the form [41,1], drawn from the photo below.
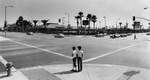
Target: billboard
[85,22]
[137,25]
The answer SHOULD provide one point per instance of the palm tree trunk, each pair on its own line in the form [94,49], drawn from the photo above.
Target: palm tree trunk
[94,26]
[89,27]
[81,24]
[77,26]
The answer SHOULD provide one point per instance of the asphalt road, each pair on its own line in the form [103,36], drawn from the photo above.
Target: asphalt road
[41,49]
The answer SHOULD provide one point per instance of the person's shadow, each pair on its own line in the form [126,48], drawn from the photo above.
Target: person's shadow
[127,75]
[65,72]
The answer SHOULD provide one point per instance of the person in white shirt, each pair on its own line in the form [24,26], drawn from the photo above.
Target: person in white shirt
[79,58]
[74,58]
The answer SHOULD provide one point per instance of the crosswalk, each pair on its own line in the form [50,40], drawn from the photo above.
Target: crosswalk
[3,39]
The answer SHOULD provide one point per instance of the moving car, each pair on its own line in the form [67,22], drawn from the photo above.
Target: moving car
[148,33]
[29,33]
[59,36]
[123,35]
[115,36]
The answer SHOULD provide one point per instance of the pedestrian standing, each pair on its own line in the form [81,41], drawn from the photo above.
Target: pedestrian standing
[79,58]
[135,36]
[74,58]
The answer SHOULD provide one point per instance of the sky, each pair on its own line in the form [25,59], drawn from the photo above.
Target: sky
[113,10]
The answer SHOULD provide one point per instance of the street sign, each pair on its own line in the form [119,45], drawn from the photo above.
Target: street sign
[5,24]
[59,20]
[133,18]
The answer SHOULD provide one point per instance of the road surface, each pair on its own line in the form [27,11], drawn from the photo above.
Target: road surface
[42,49]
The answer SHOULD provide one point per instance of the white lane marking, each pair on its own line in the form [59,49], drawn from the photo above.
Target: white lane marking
[18,47]
[13,48]
[94,58]
[42,49]
[1,58]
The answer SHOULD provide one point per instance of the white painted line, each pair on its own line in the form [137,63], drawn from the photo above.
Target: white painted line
[94,58]
[13,48]
[1,58]
[42,49]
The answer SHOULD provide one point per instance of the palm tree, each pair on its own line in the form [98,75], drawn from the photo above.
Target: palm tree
[89,18]
[81,15]
[77,17]
[27,25]
[94,19]
[20,24]
[44,22]
[120,24]
[35,22]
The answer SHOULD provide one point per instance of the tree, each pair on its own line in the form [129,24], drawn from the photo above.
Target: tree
[27,25]
[120,24]
[80,14]
[35,22]
[44,22]
[89,18]
[20,18]
[19,23]
[94,19]
[77,17]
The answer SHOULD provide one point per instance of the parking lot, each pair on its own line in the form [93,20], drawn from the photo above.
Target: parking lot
[43,49]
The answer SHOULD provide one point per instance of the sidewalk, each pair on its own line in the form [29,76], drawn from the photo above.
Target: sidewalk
[90,72]
[99,72]
[16,75]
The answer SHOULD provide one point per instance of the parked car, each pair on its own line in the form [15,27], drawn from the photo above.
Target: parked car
[123,35]
[148,33]
[99,35]
[59,36]
[29,33]
[115,36]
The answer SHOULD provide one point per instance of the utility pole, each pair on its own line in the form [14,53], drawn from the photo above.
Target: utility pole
[5,22]
[117,22]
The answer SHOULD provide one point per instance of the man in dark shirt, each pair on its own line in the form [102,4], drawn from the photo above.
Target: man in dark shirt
[79,58]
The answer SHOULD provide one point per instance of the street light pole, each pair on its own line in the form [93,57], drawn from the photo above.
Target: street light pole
[100,24]
[117,22]
[105,21]
[146,8]
[5,22]
[5,12]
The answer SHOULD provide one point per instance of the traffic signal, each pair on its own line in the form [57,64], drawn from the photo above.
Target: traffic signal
[59,20]
[5,24]
[133,18]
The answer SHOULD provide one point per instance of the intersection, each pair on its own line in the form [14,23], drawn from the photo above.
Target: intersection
[43,50]
[27,51]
